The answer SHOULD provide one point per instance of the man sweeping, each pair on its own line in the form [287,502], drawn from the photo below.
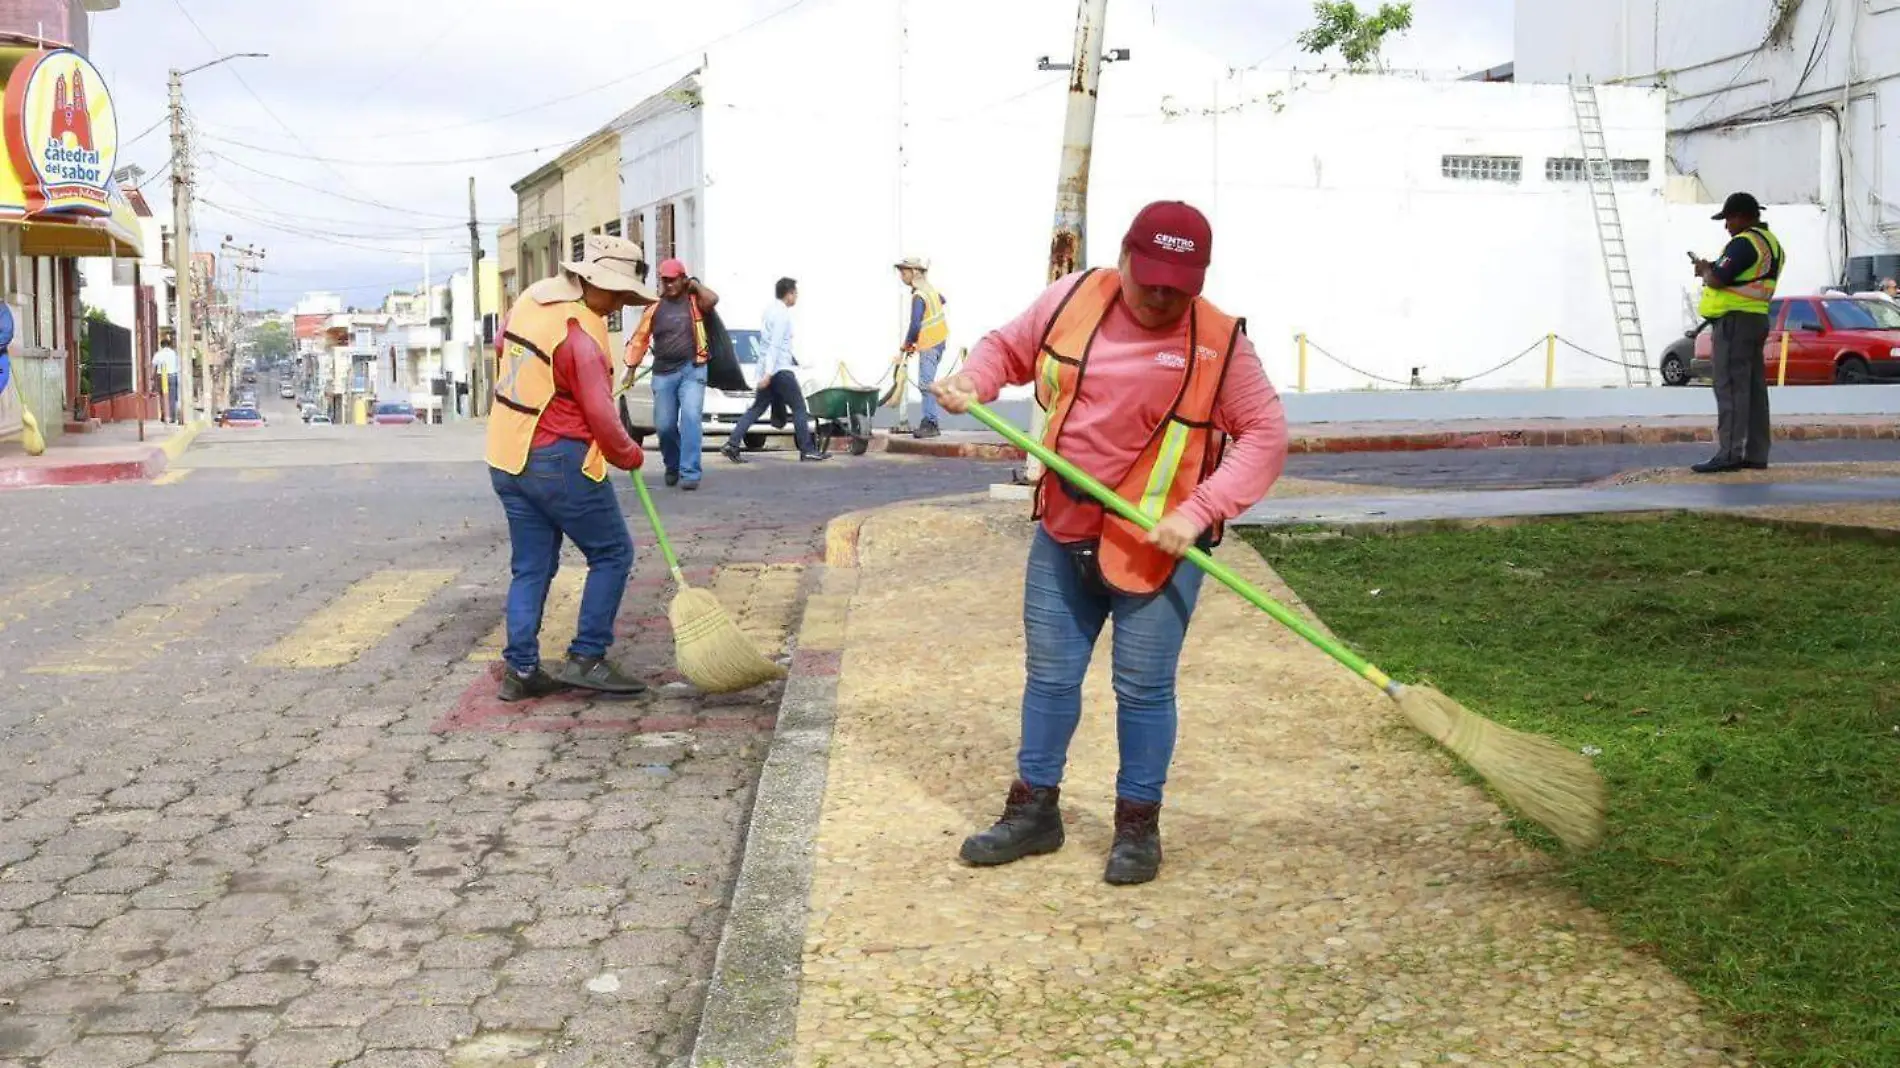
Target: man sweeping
[1170,379]
[927,336]
[552,433]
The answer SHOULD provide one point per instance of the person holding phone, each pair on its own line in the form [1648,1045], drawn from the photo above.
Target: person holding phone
[1736,290]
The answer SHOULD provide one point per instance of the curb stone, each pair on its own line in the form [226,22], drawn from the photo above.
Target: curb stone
[750,1018]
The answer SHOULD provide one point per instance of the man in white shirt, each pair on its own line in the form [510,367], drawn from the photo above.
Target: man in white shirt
[165,366]
[778,382]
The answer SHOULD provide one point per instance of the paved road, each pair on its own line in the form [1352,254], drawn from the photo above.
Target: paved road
[263,810]
[1536,468]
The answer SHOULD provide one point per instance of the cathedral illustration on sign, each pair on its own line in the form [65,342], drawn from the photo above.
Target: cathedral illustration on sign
[70,114]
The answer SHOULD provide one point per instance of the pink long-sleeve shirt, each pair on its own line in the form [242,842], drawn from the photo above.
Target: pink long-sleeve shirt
[1125,395]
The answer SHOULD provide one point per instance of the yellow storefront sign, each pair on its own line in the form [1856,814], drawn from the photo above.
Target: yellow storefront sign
[62,139]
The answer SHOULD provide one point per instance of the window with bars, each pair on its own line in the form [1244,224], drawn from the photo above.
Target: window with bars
[663,248]
[578,246]
[1570,169]
[1483,168]
[613,228]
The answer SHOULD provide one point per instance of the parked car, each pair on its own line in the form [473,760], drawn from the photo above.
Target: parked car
[287,393]
[1841,340]
[320,419]
[241,417]
[394,413]
[1679,358]
[723,406]
[309,411]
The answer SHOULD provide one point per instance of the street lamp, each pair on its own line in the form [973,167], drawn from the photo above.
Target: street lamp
[181,237]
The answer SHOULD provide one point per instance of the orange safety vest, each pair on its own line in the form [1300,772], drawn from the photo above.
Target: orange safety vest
[1183,448]
[642,339]
[524,377]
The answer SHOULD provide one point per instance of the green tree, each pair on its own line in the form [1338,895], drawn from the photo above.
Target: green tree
[1359,38]
[272,341]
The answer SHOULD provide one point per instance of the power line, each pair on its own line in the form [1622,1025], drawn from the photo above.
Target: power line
[144,133]
[389,162]
[239,75]
[330,192]
[565,98]
[339,240]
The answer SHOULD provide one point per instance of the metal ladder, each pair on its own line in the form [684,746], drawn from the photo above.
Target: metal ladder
[1616,259]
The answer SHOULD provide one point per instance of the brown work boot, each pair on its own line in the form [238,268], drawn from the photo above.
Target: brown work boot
[1136,855]
[1031,825]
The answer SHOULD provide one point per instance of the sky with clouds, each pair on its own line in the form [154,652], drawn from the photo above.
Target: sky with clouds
[348,151]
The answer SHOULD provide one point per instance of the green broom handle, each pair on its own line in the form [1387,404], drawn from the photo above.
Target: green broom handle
[1113,501]
[659,532]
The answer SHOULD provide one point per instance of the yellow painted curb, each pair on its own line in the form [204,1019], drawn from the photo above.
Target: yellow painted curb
[841,539]
[176,445]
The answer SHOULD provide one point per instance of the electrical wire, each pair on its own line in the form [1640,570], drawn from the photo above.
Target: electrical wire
[388,162]
[329,192]
[392,230]
[143,134]
[307,234]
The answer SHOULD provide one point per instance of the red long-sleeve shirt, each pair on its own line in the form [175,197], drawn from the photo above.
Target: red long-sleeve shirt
[583,404]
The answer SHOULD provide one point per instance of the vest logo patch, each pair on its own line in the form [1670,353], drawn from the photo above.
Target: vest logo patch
[1172,360]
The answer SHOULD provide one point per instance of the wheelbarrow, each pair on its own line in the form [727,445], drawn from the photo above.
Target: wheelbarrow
[842,411]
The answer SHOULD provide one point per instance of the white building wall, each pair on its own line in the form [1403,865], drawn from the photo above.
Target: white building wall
[1331,211]
[1719,66]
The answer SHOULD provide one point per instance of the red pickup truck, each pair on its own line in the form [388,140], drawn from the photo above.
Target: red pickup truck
[1844,340]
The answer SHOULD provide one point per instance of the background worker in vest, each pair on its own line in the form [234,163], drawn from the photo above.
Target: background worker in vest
[1084,569]
[927,336]
[551,434]
[778,381]
[1736,289]
[674,330]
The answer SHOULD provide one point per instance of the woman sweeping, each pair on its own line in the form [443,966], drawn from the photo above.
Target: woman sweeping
[1144,382]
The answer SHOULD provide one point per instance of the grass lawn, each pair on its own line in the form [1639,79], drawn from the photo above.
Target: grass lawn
[1744,686]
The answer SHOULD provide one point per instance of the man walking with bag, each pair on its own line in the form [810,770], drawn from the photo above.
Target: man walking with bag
[778,382]
[1736,292]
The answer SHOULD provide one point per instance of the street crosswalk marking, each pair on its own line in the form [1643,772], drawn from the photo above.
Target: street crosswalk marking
[361,618]
[558,620]
[35,593]
[144,631]
[173,477]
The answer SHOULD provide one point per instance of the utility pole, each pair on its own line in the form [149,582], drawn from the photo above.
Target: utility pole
[181,247]
[1068,247]
[477,352]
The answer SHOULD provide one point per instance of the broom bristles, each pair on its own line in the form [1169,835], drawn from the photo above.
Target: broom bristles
[713,653]
[1556,787]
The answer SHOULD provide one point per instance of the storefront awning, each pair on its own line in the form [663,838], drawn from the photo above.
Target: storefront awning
[56,174]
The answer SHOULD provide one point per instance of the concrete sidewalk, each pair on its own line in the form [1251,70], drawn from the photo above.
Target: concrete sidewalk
[111,454]
[1424,435]
[1334,892]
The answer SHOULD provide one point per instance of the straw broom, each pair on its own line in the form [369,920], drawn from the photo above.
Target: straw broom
[1547,782]
[712,652]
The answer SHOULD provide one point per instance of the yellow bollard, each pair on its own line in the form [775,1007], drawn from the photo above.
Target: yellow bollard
[1550,361]
[1302,341]
[1781,373]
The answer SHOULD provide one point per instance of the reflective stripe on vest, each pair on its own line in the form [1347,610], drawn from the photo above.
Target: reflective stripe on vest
[1182,449]
[935,329]
[524,380]
[1754,287]
[642,340]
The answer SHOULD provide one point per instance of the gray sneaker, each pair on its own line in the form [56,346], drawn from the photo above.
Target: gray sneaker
[528,687]
[596,674]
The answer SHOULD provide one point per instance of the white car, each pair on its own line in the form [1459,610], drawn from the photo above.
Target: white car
[723,406]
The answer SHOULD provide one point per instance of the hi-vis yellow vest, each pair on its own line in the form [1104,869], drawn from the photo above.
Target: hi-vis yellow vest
[935,329]
[524,379]
[1753,288]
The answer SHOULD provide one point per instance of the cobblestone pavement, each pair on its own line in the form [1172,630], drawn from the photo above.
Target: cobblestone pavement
[263,810]
[1528,468]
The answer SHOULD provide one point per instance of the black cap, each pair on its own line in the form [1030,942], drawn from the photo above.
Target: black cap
[1738,204]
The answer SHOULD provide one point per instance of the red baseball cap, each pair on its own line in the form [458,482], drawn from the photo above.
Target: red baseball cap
[1169,244]
[672,269]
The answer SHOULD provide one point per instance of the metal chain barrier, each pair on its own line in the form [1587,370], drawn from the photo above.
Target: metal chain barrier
[1446,383]
[1600,359]
[1356,370]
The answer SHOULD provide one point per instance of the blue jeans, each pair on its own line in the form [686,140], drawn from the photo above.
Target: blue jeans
[1063,613]
[783,388]
[551,498]
[679,409]
[927,361]
[171,397]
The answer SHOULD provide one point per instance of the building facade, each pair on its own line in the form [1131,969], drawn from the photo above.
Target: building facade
[1797,101]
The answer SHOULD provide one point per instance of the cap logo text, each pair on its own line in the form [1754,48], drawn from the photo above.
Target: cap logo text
[1171,243]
